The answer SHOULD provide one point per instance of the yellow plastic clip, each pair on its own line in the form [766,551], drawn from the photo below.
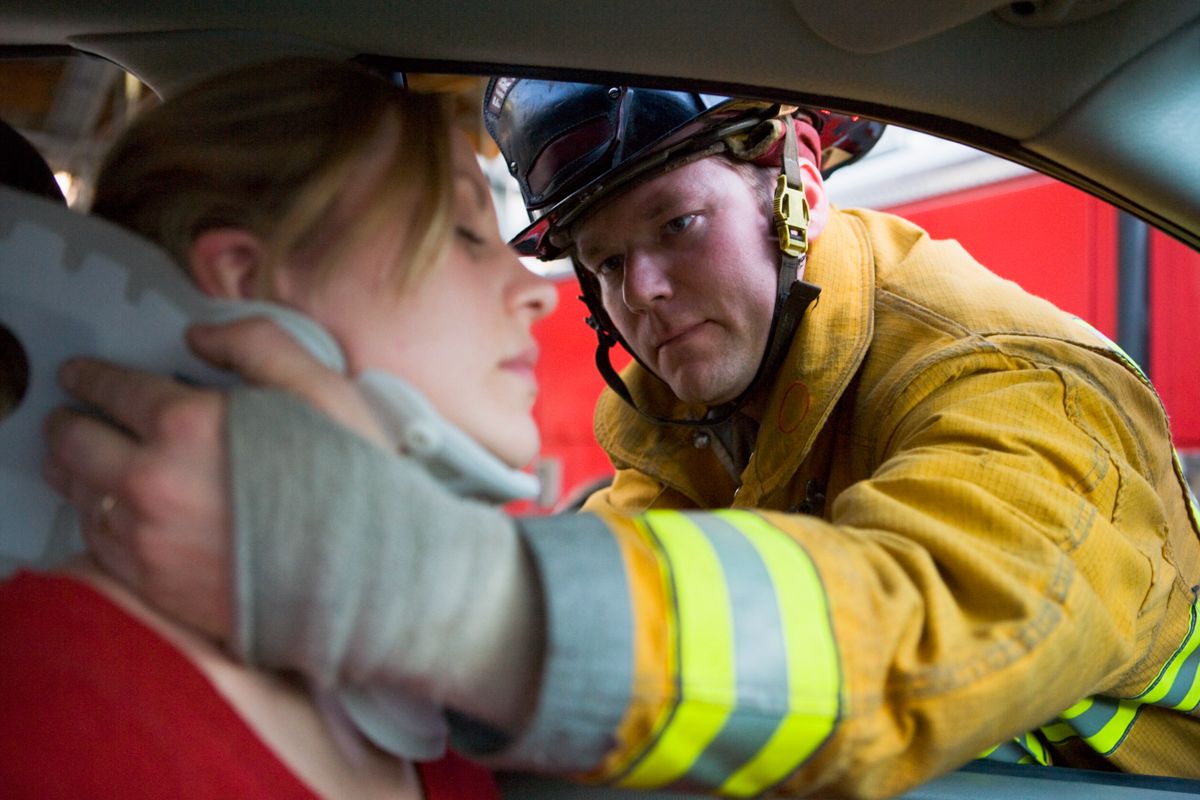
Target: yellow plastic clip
[791,218]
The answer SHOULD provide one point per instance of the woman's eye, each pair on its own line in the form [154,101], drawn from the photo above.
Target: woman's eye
[468,235]
[681,223]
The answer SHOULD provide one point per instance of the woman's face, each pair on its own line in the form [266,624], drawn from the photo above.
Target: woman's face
[461,334]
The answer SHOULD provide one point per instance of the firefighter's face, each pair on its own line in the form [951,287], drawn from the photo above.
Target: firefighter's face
[687,266]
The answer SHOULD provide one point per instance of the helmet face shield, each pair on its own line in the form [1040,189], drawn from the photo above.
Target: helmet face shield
[534,241]
[591,139]
[845,138]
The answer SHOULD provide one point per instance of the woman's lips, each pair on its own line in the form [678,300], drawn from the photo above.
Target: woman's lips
[523,364]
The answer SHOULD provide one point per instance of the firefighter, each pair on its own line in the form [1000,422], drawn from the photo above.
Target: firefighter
[877,512]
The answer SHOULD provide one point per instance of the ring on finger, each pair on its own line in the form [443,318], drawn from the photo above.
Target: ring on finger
[104,508]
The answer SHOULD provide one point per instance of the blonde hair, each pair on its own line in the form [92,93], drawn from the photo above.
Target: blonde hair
[271,149]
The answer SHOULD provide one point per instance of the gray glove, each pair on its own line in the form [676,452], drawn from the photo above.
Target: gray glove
[355,567]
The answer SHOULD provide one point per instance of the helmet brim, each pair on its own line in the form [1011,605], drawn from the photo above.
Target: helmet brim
[546,237]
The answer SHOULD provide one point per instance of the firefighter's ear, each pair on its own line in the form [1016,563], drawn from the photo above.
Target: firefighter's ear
[818,201]
[226,262]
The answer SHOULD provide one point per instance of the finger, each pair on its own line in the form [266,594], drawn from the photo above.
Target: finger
[56,476]
[87,451]
[127,396]
[88,482]
[106,539]
[105,520]
[260,352]
[85,500]
[266,355]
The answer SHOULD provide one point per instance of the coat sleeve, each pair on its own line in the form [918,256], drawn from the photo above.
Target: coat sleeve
[1004,558]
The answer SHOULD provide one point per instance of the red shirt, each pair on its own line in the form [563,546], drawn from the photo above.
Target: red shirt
[95,704]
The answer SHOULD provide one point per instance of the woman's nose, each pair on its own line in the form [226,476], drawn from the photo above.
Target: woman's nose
[532,291]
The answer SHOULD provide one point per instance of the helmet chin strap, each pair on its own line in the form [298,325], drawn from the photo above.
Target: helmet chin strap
[793,296]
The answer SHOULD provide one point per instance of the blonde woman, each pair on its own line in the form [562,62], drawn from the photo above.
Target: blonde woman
[322,187]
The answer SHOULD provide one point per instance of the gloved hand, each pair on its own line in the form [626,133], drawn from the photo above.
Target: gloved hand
[150,483]
[355,567]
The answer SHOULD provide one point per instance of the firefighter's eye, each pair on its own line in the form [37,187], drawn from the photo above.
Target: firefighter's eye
[608,266]
[681,223]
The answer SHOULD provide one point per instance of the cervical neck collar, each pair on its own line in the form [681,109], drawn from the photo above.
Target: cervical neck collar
[75,285]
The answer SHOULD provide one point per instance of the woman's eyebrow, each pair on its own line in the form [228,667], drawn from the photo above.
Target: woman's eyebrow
[480,192]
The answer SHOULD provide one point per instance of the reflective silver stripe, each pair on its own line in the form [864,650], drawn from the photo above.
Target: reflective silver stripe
[1090,721]
[1007,752]
[1104,722]
[760,679]
[1182,694]
[707,681]
[760,658]
[1177,686]
[1027,749]
[588,671]
[814,665]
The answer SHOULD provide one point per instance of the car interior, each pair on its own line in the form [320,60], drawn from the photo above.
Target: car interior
[1101,94]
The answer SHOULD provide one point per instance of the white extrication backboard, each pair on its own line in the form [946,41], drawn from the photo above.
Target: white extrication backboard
[74,285]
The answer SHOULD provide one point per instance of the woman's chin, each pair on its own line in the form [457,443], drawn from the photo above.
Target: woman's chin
[515,444]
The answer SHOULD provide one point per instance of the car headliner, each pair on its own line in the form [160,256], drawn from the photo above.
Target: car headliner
[1102,93]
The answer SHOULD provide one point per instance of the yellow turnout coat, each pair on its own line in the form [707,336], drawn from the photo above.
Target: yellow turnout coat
[962,531]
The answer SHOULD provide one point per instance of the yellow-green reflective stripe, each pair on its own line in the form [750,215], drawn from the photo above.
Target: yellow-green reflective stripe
[1103,722]
[1191,699]
[705,637]
[1114,732]
[1165,682]
[1027,749]
[1030,748]
[1037,750]
[670,624]
[814,674]
[1077,709]
[1058,732]
[1193,506]
[1106,739]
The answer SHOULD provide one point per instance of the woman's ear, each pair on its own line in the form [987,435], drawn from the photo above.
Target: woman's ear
[226,263]
[818,201]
